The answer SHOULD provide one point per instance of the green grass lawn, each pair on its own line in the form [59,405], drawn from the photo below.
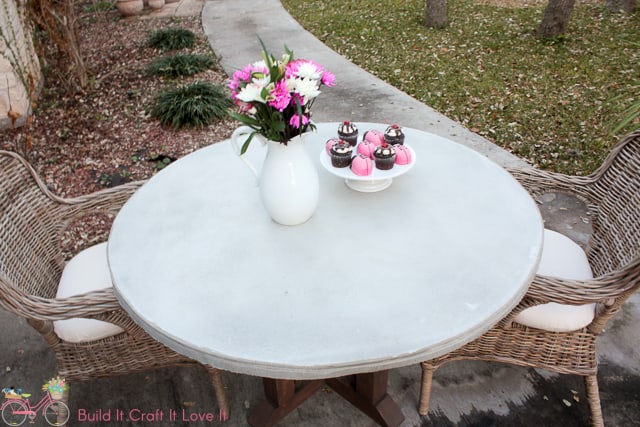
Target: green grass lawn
[553,104]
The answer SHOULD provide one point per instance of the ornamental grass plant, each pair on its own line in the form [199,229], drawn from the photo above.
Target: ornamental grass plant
[179,65]
[175,38]
[554,104]
[196,105]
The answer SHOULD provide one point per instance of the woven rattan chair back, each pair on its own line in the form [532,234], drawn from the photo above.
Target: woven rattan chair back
[612,196]
[30,258]
[33,222]
[615,208]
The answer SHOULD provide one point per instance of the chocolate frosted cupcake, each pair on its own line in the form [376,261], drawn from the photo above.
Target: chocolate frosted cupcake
[384,156]
[348,131]
[340,154]
[394,135]
[330,143]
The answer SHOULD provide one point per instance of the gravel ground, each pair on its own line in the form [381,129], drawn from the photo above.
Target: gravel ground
[103,136]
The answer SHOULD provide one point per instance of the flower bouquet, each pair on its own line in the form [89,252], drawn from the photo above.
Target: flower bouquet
[56,387]
[274,97]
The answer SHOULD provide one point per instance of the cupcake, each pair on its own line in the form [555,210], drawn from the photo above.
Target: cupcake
[394,135]
[374,136]
[330,143]
[403,154]
[384,156]
[341,154]
[366,148]
[361,165]
[348,131]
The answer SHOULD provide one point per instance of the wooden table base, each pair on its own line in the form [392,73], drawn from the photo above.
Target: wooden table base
[367,392]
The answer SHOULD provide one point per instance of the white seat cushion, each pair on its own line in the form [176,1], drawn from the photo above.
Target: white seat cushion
[87,271]
[561,257]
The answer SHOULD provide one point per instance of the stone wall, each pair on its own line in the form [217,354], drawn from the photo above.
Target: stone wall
[18,64]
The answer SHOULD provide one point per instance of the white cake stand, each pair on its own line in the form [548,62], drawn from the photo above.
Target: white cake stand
[377,181]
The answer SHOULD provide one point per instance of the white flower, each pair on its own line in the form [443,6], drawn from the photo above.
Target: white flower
[250,93]
[261,81]
[309,70]
[291,84]
[307,88]
[259,65]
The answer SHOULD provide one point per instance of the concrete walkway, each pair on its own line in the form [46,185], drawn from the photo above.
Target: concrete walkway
[233,27]
[464,393]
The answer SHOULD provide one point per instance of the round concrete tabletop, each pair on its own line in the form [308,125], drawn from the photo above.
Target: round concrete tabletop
[372,281]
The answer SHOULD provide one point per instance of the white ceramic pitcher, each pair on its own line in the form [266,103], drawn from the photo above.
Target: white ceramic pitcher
[288,179]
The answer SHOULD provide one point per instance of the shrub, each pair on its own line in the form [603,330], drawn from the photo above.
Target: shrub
[195,105]
[171,39]
[179,65]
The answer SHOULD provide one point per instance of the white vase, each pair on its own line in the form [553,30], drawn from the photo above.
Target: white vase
[288,179]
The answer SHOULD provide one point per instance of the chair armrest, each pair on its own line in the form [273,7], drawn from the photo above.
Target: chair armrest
[107,200]
[538,182]
[100,305]
[87,305]
[546,289]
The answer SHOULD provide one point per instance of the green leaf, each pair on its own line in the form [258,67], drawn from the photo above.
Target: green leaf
[247,120]
[265,55]
[288,52]
[245,146]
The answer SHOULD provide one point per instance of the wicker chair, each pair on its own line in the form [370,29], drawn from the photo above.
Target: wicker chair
[100,339]
[612,196]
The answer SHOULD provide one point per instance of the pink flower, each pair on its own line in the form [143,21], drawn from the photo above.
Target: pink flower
[239,77]
[328,78]
[243,107]
[296,99]
[280,96]
[291,69]
[295,121]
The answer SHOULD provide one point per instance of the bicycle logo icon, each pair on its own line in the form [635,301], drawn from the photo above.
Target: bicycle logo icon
[17,408]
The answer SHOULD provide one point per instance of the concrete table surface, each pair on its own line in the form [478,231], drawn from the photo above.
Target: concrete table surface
[372,281]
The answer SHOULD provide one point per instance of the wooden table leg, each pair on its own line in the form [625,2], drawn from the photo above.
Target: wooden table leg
[282,397]
[368,392]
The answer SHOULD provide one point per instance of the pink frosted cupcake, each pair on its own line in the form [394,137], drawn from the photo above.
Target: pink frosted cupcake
[361,165]
[331,143]
[374,136]
[366,148]
[403,154]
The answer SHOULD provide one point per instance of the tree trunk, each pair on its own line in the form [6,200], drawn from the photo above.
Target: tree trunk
[618,6]
[436,16]
[556,18]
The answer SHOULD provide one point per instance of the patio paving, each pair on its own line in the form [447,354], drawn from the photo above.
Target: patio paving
[464,393]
